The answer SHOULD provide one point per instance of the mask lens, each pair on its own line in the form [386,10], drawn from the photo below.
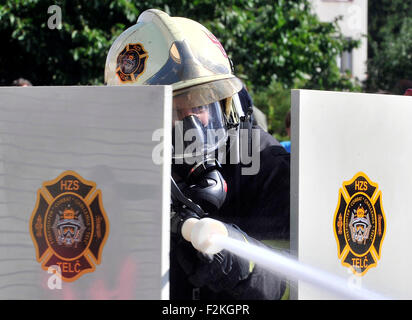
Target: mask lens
[197,131]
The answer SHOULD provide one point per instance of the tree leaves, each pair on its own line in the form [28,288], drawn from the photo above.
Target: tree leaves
[390,46]
[265,39]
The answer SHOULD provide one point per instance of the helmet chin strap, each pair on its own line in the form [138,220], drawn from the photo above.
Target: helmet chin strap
[246,124]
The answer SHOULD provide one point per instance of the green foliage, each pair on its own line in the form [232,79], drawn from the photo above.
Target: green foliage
[296,46]
[275,40]
[386,17]
[274,44]
[267,40]
[390,45]
[274,102]
[74,54]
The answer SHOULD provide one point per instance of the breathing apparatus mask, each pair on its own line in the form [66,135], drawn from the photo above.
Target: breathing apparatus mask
[197,135]
[205,117]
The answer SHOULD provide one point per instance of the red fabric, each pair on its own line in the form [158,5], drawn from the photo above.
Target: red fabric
[408,92]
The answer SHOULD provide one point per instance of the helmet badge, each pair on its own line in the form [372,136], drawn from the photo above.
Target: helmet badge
[131,62]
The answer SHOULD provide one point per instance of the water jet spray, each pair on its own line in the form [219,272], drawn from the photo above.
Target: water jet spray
[210,236]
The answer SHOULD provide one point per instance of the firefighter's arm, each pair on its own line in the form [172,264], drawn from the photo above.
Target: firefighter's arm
[224,271]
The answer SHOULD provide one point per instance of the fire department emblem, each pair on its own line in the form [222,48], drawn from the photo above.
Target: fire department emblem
[359,224]
[69,226]
[131,62]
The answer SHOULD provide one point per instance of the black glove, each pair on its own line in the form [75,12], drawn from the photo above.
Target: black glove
[219,272]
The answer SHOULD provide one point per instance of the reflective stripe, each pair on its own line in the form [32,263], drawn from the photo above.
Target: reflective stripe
[286,293]
[251,263]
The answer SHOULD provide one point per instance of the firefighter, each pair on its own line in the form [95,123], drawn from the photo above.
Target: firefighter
[210,168]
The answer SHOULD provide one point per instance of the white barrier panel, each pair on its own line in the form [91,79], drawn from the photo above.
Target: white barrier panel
[351,185]
[84,209]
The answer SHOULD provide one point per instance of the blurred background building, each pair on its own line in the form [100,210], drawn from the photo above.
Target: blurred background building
[354,25]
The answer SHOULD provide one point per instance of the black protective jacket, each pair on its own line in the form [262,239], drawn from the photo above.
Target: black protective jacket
[260,206]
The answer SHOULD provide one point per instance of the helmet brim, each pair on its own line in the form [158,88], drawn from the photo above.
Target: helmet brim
[196,95]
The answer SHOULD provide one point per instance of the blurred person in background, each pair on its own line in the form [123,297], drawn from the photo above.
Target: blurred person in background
[21,82]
